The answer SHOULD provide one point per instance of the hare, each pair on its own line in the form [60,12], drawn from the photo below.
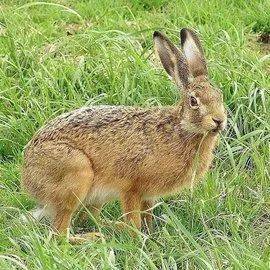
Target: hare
[96,154]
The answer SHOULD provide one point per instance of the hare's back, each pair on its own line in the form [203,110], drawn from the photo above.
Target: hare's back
[91,121]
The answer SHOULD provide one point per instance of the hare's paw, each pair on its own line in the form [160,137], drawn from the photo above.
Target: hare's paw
[85,237]
[118,225]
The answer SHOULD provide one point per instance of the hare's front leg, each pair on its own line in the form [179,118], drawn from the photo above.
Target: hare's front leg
[131,204]
[147,213]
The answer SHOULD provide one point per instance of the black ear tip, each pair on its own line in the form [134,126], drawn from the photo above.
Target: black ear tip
[183,34]
[157,34]
[184,30]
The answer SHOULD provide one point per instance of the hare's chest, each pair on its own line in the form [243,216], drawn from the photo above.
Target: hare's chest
[170,172]
[165,183]
[166,175]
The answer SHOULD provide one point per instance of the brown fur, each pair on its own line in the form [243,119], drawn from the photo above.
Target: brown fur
[96,154]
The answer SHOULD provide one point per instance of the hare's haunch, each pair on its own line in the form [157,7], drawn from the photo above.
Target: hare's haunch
[96,154]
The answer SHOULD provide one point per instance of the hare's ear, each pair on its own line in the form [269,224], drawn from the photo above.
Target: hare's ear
[172,59]
[193,52]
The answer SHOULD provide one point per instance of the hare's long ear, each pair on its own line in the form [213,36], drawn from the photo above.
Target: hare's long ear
[193,52]
[172,59]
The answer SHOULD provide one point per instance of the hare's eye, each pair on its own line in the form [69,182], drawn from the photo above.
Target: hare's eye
[193,102]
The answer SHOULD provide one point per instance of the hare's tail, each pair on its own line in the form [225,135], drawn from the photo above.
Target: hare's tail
[37,214]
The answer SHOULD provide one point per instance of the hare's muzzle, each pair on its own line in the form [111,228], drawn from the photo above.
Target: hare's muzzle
[220,124]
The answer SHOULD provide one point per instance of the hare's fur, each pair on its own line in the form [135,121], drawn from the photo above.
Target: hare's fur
[96,154]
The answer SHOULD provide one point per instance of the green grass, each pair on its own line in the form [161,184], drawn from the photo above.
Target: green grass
[107,58]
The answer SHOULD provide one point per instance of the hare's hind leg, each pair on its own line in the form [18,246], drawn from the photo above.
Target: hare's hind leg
[58,176]
[75,188]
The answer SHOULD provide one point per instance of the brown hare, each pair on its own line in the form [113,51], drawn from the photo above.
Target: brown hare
[97,154]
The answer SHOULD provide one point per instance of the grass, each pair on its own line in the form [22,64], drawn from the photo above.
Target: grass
[62,55]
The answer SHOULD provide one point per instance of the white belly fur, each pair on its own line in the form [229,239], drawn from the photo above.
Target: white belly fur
[98,195]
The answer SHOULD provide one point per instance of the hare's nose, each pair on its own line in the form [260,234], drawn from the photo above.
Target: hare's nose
[217,121]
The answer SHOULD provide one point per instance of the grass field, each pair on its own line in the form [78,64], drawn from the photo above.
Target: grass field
[65,54]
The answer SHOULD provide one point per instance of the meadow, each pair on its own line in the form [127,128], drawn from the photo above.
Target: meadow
[60,55]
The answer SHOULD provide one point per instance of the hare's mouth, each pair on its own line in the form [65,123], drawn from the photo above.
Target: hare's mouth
[217,129]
